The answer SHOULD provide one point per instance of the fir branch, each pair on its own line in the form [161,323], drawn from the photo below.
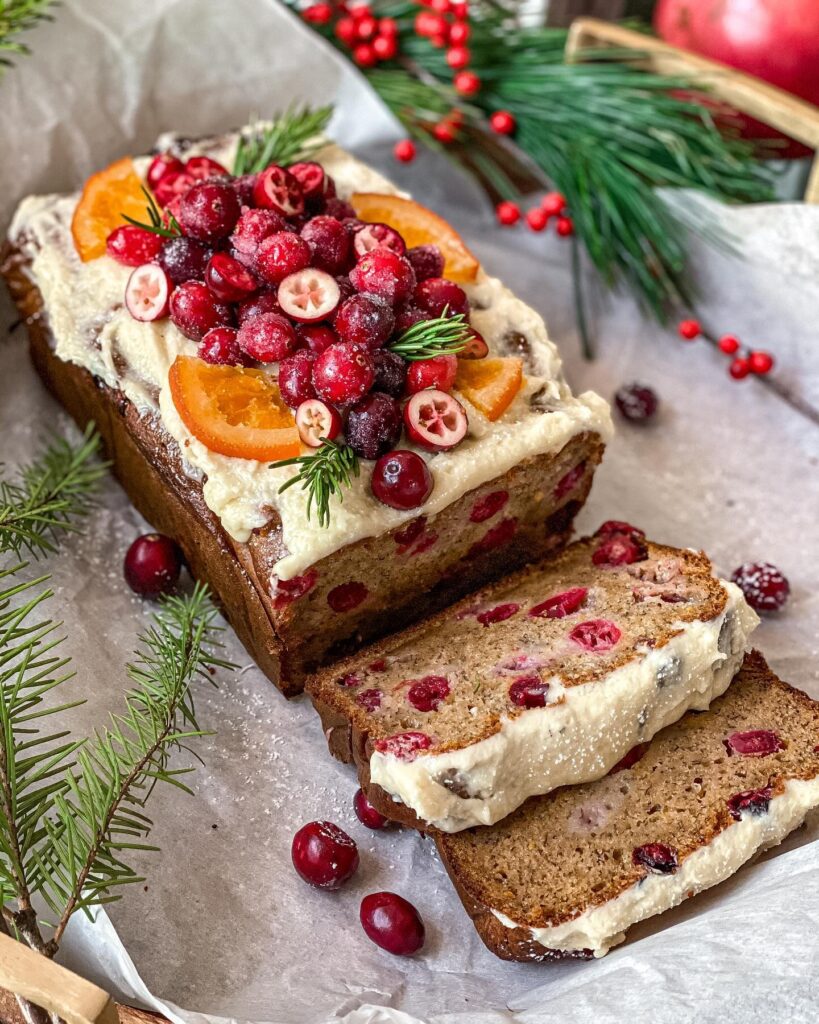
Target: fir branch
[294,135]
[325,472]
[18,16]
[441,336]
[156,222]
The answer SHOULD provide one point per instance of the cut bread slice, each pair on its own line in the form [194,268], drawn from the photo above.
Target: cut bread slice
[545,679]
[708,794]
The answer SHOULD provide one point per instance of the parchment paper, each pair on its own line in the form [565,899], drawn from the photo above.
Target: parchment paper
[223,926]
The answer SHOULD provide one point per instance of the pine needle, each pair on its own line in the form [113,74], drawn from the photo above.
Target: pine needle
[18,16]
[292,136]
[325,472]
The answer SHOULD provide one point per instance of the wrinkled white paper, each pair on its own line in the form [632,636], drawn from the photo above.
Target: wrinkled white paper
[223,926]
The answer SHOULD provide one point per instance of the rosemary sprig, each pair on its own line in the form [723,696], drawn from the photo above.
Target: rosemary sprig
[323,473]
[155,223]
[18,16]
[444,335]
[294,135]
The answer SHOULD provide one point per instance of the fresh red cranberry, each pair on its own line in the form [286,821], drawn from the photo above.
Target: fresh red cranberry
[487,506]
[437,294]
[195,311]
[162,164]
[500,613]
[494,538]
[619,550]
[209,211]
[317,337]
[370,700]
[244,186]
[288,591]
[567,483]
[183,259]
[252,228]
[384,273]
[435,420]
[630,759]
[309,295]
[133,246]
[560,605]
[392,923]
[390,372]
[219,346]
[343,374]
[264,302]
[172,186]
[280,255]
[152,565]
[347,596]
[203,167]
[374,425]
[268,337]
[364,320]
[438,372]
[147,292]
[427,694]
[754,743]
[529,692]
[377,236]
[636,403]
[409,315]
[754,801]
[329,243]
[656,857]
[315,184]
[339,208]
[427,261]
[404,745]
[615,526]
[228,279]
[764,586]
[296,377]
[596,635]
[324,855]
[277,189]
[366,813]
[402,480]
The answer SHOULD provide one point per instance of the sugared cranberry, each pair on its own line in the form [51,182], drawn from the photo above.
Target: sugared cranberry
[438,372]
[296,377]
[560,605]
[754,743]
[427,694]
[384,273]
[317,421]
[339,208]
[347,596]
[500,613]
[402,480]
[133,246]
[435,420]
[408,316]
[219,346]
[656,857]
[146,293]
[529,692]
[162,164]
[404,745]
[252,228]
[365,320]
[264,302]
[309,295]
[754,801]
[228,279]
[619,550]
[636,402]
[268,337]
[317,337]
[374,425]
[195,311]
[288,591]
[764,586]
[427,261]
[487,506]
[152,565]
[630,759]
[494,538]
[569,481]
[377,236]
[392,923]
[596,635]
[203,167]
[366,813]
[324,855]
[390,372]
[209,211]
[277,189]
[329,243]
[244,186]
[280,254]
[370,699]
[343,374]
[183,259]
[437,294]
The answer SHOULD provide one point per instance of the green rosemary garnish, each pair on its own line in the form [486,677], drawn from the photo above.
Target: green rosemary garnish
[18,16]
[443,336]
[155,224]
[293,136]
[325,472]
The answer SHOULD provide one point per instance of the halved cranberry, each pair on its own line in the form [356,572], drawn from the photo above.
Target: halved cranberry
[209,211]
[560,605]
[152,565]
[435,420]
[630,759]
[252,228]
[171,186]
[347,596]
[350,681]
[620,550]
[277,189]
[597,635]
[384,273]
[133,246]
[487,506]
[764,586]
[296,378]
[228,279]
[370,700]
[437,294]
[494,538]
[184,259]
[377,236]
[315,421]
[309,295]
[499,613]
[439,372]
[323,855]
[288,591]
[373,425]
[147,292]
[390,372]
[268,337]
[427,261]
[402,480]
[426,694]
[264,302]
[364,320]
[392,923]
[529,692]
[312,179]
[754,743]
[366,813]
[329,243]
[317,337]
[162,164]
[219,346]
[474,347]
[203,167]
[657,857]
[404,745]
[617,526]
[755,801]
[567,483]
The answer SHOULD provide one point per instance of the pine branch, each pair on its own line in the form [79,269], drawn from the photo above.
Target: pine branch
[294,135]
[441,336]
[156,223]
[325,472]
[18,16]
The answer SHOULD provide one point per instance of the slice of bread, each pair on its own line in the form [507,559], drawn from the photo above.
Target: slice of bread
[545,679]
[567,874]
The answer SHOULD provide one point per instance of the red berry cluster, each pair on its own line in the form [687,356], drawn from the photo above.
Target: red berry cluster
[744,361]
[275,268]
[553,205]
[369,39]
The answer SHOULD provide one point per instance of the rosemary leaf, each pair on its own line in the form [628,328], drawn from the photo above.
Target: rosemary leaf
[292,136]
[441,336]
[325,472]
[155,223]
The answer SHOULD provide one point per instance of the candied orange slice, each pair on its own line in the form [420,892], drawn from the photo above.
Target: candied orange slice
[490,384]
[233,410]
[105,197]
[418,226]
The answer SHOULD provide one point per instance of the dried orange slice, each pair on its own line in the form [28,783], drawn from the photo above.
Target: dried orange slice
[106,196]
[233,411]
[490,384]
[418,226]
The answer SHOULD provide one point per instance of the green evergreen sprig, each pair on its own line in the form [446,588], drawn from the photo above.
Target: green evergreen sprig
[156,222]
[18,16]
[442,336]
[326,471]
[292,136]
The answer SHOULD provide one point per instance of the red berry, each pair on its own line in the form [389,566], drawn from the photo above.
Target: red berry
[183,259]
[636,402]
[252,228]
[152,565]
[728,344]
[147,292]
[374,425]
[507,212]
[487,506]
[209,211]
[315,184]
[365,27]
[566,484]
[201,168]
[429,24]
[427,261]
[268,337]
[383,272]
[339,208]
[553,203]
[346,30]
[754,743]
[467,83]
[408,316]
[760,362]
[460,9]
[459,33]
[387,27]
[502,122]
[404,150]
[133,246]
[296,377]
[162,164]
[537,218]
[390,372]
[529,692]
[343,374]
[194,310]
[438,372]
[656,857]
[458,57]
[404,745]
[611,527]
[441,6]
[317,336]
[288,591]
[220,346]
[445,132]
[364,55]
[323,855]
[329,243]
[359,11]
[171,186]
[755,801]
[427,694]
[308,295]
[596,635]
[474,347]
[392,923]
[437,294]
[366,813]
[435,420]
[739,368]
[500,613]
[277,189]
[318,14]
[370,700]
[564,226]
[347,596]
[282,254]
[689,329]
[495,538]
[385,47]
[402,480]
[764,586]
[560,605]
[315,421]
[619,550]
[264,302]
[228,279]
[377,236]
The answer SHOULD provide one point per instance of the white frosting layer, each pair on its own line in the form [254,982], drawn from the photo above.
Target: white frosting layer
[579,735]
[605,926]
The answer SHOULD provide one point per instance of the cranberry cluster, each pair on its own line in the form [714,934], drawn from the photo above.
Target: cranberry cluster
[275,268]
[743,361]
[552,205]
